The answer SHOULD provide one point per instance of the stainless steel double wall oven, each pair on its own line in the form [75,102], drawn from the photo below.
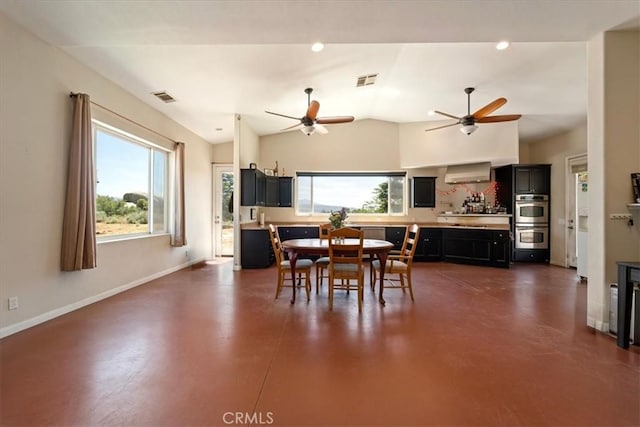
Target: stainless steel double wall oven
[531,217]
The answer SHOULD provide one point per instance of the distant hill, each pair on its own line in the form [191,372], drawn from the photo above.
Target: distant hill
[304,205]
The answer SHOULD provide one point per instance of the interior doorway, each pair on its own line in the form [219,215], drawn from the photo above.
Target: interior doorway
[222,210]
[574,165]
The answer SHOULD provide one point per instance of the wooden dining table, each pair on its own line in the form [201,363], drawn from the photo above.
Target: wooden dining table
[296,247]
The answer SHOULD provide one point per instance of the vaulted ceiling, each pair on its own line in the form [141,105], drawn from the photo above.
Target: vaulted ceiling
[219,58]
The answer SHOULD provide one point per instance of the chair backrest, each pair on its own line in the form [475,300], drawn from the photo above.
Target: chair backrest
[410,243]
[276,244]
[346,251]
[323,231]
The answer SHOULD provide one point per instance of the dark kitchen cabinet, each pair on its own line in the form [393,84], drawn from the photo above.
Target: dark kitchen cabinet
[480,247]
[395,235]
[430,245]
[257,189]
[272,191]
[256,250]
[285,191]
[532,179]
[424,192]
[288,233]
[252,187]
[501,248]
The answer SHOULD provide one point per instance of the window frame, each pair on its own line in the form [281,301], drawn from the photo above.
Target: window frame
[387,174]
[100,126]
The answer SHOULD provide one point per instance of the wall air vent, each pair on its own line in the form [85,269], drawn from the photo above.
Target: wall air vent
[164,96]
[367,80]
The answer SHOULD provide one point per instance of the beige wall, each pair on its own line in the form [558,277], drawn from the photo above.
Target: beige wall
[35,109]
[555,150]
[222,153]
[496,143]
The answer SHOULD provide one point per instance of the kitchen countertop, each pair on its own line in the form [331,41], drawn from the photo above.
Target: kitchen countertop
[505,227]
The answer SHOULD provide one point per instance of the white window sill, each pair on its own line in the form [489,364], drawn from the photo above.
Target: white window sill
[122,237]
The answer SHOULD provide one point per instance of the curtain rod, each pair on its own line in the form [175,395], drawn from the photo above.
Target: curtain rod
[73,95]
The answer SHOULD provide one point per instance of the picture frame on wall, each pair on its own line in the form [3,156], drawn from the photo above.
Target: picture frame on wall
[635,185]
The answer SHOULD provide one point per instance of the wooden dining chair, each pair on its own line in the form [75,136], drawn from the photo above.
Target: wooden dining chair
[345,263]
[322,263]
[399,264]
[303,266]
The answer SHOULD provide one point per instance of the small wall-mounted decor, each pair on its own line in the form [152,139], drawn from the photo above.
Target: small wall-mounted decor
[252,166]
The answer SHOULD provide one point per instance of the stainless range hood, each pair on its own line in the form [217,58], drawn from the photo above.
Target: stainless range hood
[474,172]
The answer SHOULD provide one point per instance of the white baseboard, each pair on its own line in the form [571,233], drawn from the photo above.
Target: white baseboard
[25,324]
[598,325]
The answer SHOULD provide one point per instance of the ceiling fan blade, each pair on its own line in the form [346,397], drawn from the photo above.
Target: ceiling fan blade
[446,114]
[489,108]
[291,127]
[334,120]
[283,115]
[504,118]
[440,127]
[312,111]
[320,129]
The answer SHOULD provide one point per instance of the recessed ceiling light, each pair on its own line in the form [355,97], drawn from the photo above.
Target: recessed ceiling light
[502,45]
[431,112]
[317,47]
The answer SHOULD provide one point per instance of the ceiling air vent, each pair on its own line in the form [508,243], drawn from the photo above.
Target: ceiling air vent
[164,96]
[367,80]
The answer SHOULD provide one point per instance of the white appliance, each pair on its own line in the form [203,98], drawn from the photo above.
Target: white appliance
[582,217]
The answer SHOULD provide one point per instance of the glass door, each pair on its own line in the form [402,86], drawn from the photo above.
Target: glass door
[223,210]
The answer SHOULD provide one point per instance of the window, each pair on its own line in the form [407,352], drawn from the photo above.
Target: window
[131,188]
[380,193]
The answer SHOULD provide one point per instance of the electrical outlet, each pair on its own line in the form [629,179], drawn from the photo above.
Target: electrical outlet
[13,303]
[620,216]
[186,253]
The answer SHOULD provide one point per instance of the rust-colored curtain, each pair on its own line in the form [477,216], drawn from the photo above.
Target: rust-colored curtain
[79,226]
[179,237]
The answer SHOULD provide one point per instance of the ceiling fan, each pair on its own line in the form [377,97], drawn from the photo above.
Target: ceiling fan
[469,121]
[310,122]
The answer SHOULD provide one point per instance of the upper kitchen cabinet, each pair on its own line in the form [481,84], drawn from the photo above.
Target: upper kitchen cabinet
[522,179]
[272,189]
[252,187]
[424,191]
[534,179]
[285,191]
[260,190]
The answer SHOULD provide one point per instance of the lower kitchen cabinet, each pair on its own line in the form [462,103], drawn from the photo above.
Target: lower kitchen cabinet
[430,245]
[480,247]
[531,255]
[288,233]
[395,235]
[501,249]
[256,250]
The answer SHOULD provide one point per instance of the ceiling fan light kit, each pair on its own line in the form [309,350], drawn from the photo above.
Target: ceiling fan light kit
[468,129]
[308,130]
[469,121]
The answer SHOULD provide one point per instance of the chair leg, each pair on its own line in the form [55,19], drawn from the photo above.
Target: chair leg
[330,292]
[307,284]
[317,278]
[280,283]
[409,284]
[402,286]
